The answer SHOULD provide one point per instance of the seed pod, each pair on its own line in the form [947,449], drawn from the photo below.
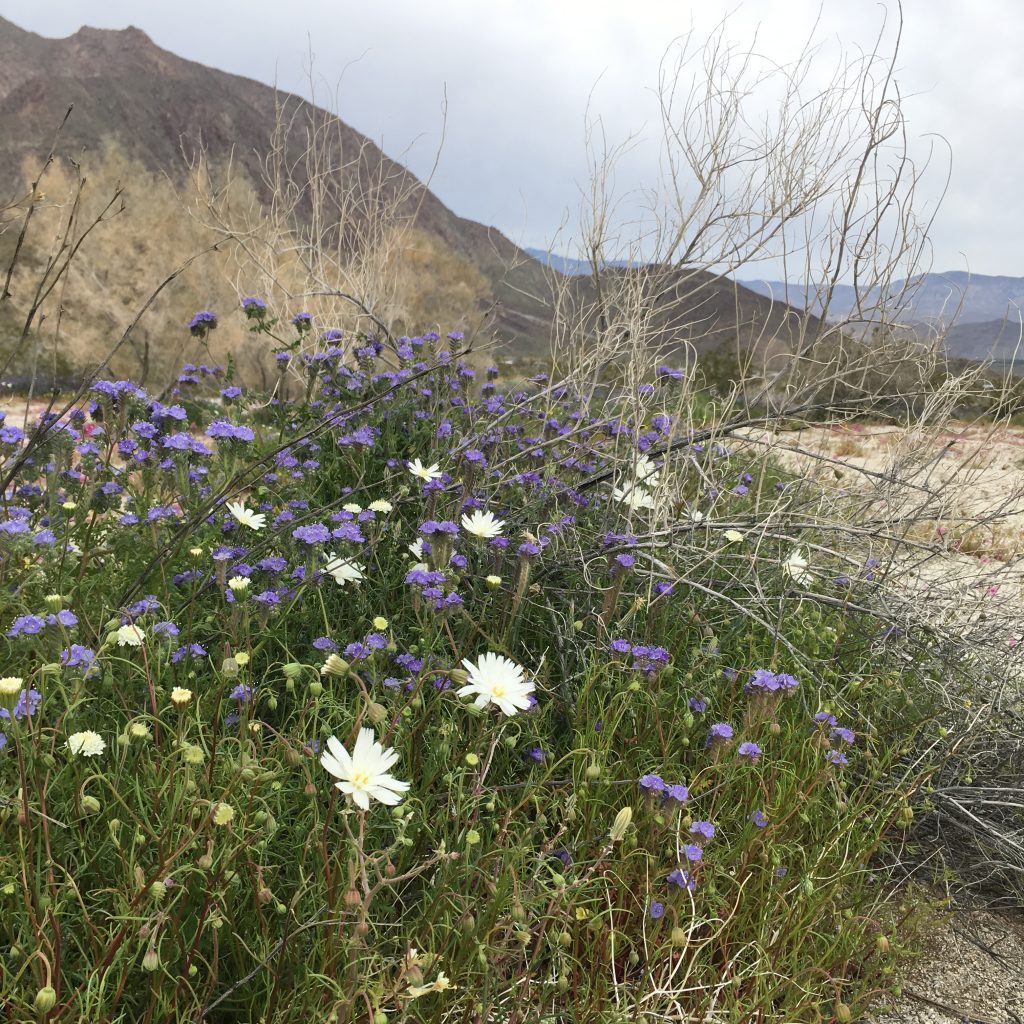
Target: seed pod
[843,1013]
[352,899]
[882,944]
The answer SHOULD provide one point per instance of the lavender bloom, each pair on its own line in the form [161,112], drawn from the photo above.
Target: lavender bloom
[693,852]
[719,734]
[759,819]
[704,829]
[77,656]
[202,323]
[652,783]
[682,879]
[656,910]
[315,533]
[749,750]
[836,757]
[677,792]
[847,736]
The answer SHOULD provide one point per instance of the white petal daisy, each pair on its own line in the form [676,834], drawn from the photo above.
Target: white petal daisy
[86,744]
[363,774]
[482,524]
[344,570]
[633,496]
[425,473]
[495,679]
[246,516]
[130,636]
[795,567]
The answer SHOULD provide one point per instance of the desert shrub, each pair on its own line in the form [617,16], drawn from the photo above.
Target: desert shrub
[645,756]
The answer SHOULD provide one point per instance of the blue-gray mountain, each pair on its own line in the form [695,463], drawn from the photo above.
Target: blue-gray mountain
[983,309]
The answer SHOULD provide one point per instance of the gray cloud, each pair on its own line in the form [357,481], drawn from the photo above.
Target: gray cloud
[518,78]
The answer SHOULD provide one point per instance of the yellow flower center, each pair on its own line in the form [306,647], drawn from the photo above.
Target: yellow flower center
[498,690]
[360,780]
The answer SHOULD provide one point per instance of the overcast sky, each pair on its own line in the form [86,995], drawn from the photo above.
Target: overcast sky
[518,75]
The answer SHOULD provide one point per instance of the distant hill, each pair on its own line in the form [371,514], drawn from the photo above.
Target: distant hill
[982,308]
[568,265]
[978,297]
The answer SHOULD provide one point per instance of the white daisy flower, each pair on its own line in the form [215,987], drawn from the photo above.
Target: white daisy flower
[425,473]
[363,774]
[633,496]
[795,567]
[238,584]
[246,516]
[646,472]
[353,508]
[482,524]
[381,505]
[344,570]
[86,744]
[130,636]
[733,536]
[498,680]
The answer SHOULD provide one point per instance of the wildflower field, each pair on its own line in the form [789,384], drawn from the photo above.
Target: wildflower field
[401,692]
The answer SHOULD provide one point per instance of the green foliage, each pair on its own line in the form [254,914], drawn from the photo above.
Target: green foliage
[202,866]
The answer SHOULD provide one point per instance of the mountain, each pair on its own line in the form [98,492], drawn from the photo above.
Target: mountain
[982,309]
[568,265]
[156,110]
[139,116]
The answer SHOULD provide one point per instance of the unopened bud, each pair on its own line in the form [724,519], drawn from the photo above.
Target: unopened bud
[151,961]
[46,999]
[459,676]
[90,805]
[621,823]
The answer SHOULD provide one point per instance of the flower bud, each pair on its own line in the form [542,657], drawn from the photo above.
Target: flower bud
[157,891]
[46,999]
[90,805]
[621,823]
[678,936]
[593,772]
[882,944]
[229,668]
[151,961]
[335,666]
[316,688]
[377,713]
[291,670]
[843,1013]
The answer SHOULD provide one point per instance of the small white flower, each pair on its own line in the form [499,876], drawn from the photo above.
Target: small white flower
[696,516]
[493,581]
[246,516]
[130,636]
[416,549]
[442,983]
[482,524]
[86,744]
[646,472]
[795,567]
[733,536]
[353,508]
[344,570]
[425,473]
[180,696]
[498,680]
[381,505]
[633,496]
[239,584]
[364,773]
[11,686]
